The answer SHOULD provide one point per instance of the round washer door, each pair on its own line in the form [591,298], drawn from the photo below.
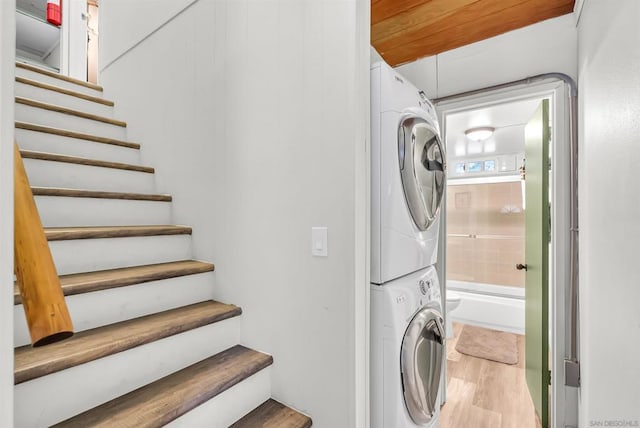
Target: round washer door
[421,360]
[422,168]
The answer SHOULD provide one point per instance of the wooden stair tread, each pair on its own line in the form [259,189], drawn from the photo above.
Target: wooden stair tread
[72,112]
[95,232]
[30,154]
[89,345]
[79,193]
[272,414]
[63,91]
[76,135]
[164,400]
[86,282]
[58,76]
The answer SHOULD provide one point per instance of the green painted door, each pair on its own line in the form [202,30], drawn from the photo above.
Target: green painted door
[537,220]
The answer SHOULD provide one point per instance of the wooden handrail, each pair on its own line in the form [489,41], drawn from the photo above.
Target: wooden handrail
[42,297]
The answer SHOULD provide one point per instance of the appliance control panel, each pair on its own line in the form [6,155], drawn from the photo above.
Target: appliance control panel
[426,105]
[429,288]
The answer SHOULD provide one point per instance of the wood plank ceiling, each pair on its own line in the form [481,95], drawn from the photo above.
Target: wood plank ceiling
[406,30]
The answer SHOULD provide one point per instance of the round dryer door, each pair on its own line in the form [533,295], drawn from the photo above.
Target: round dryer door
[422,168]
[421,361]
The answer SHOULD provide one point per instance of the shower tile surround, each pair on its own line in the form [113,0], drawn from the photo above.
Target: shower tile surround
[485,233]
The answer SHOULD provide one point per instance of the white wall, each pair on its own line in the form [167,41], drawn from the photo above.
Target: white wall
[139,19]
[252,112]
[53,59]
[374,55]
[7,64]
[609,66]
[548,46]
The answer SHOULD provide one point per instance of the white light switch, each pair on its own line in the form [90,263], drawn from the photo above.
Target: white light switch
[319,241]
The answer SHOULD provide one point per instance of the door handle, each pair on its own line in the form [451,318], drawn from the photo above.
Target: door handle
[520,266]
[401,148]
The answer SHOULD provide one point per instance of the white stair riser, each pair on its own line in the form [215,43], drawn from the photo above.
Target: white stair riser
[68,175]
[86,255]
[91,310]
[57,211]
[53,97]
[67,393]
[40,116]
[229,406]
[50,143]
[38,77]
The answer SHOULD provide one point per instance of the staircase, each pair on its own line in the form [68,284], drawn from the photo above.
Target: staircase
[152,346]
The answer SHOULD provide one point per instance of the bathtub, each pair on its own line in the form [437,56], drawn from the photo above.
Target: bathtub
[492,306]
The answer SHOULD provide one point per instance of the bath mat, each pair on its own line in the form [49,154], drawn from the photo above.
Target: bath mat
[488,344]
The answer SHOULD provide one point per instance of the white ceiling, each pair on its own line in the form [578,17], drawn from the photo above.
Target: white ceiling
[508,119]
[36,8]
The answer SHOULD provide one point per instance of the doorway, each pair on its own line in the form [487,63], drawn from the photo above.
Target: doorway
[70,48]
[92,41]
[37,41]
[486,232]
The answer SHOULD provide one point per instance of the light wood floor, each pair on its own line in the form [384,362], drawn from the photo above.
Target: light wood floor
[486,394]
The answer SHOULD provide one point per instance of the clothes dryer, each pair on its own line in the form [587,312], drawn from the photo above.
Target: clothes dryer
[408,174]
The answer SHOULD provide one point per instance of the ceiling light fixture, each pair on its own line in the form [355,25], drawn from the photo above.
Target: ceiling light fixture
[480,133]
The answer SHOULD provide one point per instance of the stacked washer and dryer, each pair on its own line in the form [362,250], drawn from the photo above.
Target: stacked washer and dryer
[407,185]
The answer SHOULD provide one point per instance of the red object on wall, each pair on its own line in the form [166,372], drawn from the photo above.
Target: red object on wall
[54,12]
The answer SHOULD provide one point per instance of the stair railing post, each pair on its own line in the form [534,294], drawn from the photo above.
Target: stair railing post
[42,297]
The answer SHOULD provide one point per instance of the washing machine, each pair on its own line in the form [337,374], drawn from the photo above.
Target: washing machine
[407,177]
[407,351]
